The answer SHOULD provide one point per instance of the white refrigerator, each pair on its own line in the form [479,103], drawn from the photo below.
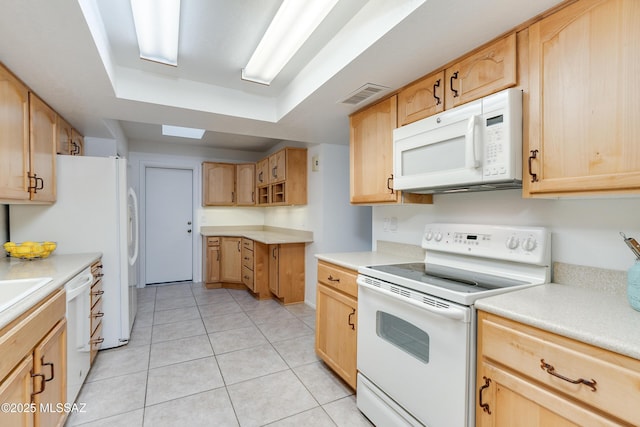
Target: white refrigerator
[95,211]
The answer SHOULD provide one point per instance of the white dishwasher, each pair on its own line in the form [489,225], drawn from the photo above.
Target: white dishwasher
[78,331]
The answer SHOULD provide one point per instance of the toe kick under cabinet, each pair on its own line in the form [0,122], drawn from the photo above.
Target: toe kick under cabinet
[530,377]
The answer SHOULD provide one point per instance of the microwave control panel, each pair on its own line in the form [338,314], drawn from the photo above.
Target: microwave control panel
[502,134]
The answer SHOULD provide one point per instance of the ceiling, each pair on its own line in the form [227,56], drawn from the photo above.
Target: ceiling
[81,57]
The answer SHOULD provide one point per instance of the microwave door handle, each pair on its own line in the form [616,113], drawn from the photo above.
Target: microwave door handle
[471,140]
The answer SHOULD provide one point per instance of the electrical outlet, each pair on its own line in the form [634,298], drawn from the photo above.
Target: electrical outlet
[385,224]
[393,224]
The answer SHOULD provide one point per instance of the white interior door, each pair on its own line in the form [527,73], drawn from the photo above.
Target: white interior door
[168,225]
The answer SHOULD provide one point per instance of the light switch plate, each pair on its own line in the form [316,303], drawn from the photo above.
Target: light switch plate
[315,163]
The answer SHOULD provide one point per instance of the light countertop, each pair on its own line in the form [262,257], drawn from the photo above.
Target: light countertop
[60,268]
[596,317]
[266,235]
[354,260]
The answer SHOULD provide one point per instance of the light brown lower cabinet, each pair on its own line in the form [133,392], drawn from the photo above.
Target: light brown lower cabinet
[286,272]
[97,313]
[33,366]
[530,377]
[336,320]
[255,268]
[230,259]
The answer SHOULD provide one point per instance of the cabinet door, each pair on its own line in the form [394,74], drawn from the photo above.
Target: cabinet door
[421,99]
[219,184]
[513,401]
[63,140]
[336,326]
[584,102]
[230,260]
[50,360]
[213,264]
[277,166]
[262,172]
[42,150]
[16,389]
[274,285]
[371,153]
[482,73]
[14,137]
[245,184]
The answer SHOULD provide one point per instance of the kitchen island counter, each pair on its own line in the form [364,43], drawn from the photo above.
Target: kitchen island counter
[60,268]
[600,318]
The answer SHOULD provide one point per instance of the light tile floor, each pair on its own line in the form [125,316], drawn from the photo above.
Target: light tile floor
[215,357]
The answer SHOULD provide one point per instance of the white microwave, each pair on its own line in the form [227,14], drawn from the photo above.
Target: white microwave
[476,146]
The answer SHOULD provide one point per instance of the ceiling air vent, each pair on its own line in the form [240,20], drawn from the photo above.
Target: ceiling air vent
[363,93]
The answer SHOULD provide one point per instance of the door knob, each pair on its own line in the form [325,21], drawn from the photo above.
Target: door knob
[189,223]
[189,231]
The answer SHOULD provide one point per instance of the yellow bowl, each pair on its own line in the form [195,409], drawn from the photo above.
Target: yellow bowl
[29,249]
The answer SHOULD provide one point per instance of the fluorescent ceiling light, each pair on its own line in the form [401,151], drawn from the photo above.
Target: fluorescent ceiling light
[157,25]
[182,132]
[291,27]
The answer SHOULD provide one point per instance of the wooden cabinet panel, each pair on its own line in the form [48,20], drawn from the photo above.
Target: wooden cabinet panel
[543,369]
[16,389]
[14,137]
[262,172]
[230,260]
[286,272]
[482,73]
[584,100]
[97,314]
[42,150]
[278,166]
[77,144]
[50,359]
[421,99]
[245,184]
[336,332]
[274,285]
[342,279]
[372,153]
[63,140]
[219,184]
[213,264]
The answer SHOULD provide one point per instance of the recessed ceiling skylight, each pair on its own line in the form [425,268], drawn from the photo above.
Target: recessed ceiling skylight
[182,132]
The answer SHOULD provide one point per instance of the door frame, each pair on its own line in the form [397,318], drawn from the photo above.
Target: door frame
[195,243]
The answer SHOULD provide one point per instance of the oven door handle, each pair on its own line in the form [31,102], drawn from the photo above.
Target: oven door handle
[455,313]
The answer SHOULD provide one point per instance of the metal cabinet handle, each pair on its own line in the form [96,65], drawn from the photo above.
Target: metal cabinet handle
[260,177]
[273,171]
[246,277]
[454,76]
[38,183]
[97,293]
[389,187]
[48,364]
[534,155]
[233,197]
[484,406]
[217,255]
[331,279]
[97,341]
[253,196]
[273,253]
[353,326]
[98,315]
[238,245]
[436,97]
[42,384]
[552,371]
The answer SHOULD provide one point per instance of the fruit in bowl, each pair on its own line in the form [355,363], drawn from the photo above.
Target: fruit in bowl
[29,249]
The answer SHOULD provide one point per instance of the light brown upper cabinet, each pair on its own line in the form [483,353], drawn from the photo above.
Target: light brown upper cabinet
[584,63]
[65,134]
[42,150]
[421,99]
[228,184]
[371,156]
[262,172]
[219,184]
[77,144]
[486,71]
[245,184]
[287,178]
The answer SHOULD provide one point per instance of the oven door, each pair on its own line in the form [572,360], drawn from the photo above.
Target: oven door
[416,350]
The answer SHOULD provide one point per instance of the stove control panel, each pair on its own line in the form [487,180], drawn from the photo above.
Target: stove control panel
[514,243]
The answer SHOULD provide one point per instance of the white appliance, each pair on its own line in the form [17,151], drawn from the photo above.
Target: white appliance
[474,147]
[78,331]
[95,211]
[417,324]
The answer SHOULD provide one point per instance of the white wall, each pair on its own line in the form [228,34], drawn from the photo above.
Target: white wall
[584,231]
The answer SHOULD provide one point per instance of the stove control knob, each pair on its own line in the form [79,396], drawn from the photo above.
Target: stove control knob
[529,244]
[512,242]
[438,236]
[428,236]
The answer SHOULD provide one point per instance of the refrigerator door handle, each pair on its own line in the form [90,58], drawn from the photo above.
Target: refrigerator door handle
[133,257]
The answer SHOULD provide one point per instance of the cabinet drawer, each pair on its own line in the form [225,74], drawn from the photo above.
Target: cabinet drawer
[96,292]
[539,355]
[96,315]
[338,277]
[213,241]
[247,277]
[247,243]
[247,258]
[96,341]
